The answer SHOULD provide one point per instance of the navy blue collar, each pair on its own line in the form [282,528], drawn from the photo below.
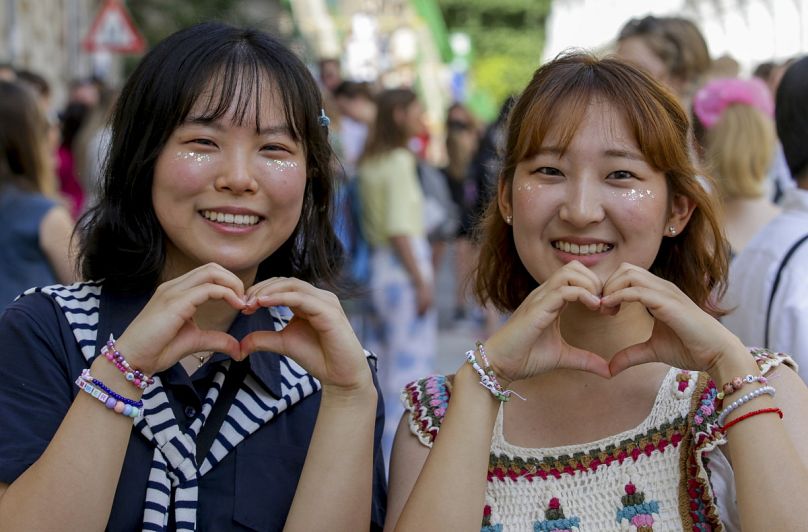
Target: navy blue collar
[118,310]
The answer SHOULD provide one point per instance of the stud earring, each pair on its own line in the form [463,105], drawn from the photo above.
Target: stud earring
[672,230]
[509,219]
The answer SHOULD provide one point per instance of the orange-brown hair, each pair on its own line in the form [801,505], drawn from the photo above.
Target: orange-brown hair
[558,95]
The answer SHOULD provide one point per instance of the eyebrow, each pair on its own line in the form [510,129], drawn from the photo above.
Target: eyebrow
[623,154]
[279,129]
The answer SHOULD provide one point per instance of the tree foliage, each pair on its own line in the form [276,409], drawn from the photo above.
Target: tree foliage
[507,38]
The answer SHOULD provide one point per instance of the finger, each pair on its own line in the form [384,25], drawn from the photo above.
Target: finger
[287,284]
[316,311]
[587,361]
[652,299]
[575,274]
[203,293]
[272,341]
[208,340]
[550,307]
[633,355]
[208,273]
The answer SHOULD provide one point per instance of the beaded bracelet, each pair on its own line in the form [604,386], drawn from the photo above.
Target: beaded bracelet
[108,401]
[750,414]
[87,377]
[135,376]
[488,378]
[735,384]
[745,399]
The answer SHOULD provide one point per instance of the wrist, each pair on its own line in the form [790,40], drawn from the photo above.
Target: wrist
[359,395]
[735,361]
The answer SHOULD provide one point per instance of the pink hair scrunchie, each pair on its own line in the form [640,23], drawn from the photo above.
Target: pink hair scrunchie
[718,94]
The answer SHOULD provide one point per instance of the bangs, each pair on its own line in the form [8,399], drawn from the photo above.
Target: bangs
[238,85]
[656,122]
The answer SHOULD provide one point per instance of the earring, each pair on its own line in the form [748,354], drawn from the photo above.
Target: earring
[509,219]
[672,230]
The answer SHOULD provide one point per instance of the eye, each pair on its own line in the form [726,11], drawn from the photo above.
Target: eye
[621,175]
[547,170]
[203,142]
[274,148]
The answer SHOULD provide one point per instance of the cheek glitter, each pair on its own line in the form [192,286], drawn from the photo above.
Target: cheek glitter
[637,195]
[198,158]
[282,166]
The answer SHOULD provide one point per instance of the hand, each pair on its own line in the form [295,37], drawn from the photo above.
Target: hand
[319,336]
[424,296]
[164,331]
[683,336]
[530,343]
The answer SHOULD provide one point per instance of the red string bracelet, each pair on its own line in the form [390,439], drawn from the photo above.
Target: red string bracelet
[750,414]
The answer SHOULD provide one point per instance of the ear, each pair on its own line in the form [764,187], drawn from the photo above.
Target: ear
[504,198]
[682,208]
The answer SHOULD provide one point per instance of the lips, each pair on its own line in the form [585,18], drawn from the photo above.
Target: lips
[241,219]
[575,248]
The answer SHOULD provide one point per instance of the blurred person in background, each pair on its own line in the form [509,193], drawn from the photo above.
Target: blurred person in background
[357,107]
[402,289]
[768,285]
[91,145]
[462,140]
[671,49]
[733,124]
[71,118]
[35,227]
[330,74]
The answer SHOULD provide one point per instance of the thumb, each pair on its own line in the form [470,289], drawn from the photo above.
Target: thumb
[587,361]
[263,341]
[633,355]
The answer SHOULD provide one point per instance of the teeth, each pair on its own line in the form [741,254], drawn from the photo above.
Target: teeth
[581,249]
[235,219]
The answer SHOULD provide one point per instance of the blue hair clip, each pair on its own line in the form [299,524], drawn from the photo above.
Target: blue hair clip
[324,120]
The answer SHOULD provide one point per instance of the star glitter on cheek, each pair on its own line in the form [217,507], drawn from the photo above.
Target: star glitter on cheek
[637,195]
[282,166]
[198,158]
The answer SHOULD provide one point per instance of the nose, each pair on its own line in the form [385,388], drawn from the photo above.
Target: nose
[237,175]
[583,204]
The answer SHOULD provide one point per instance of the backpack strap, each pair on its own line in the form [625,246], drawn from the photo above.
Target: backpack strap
[776,284]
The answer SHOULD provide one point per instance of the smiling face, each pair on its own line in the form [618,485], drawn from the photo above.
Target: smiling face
[598,201]
[227,192]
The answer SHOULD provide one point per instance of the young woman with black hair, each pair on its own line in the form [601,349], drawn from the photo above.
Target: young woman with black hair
[252,399]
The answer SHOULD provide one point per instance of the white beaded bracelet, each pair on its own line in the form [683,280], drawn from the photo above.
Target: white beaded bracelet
[745,399]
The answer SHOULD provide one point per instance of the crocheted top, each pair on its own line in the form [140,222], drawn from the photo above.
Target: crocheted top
[654,475]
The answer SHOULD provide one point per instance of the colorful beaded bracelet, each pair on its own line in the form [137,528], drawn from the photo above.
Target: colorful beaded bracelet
[87,377]
[108,401]
[135,376]
[488,378]
[742,400]
[737,383]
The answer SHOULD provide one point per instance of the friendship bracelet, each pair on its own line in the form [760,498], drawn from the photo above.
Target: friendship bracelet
[135,376]
[488,378]
[110,402]
[738,419]
[735,384]
[85,376]
[745,399]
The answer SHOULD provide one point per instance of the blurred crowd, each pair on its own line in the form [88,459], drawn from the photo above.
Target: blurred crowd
[411,189]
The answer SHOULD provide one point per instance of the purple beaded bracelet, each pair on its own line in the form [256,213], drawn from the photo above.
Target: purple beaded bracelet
[108,401]
[135,376]
[87,377]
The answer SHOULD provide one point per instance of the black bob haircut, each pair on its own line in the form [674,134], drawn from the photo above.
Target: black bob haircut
[122,241]
[791,117]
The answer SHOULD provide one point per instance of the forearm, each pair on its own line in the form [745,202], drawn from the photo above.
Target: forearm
[459,457]
[403,248]
[337,477]
[72,485]
[770,485]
